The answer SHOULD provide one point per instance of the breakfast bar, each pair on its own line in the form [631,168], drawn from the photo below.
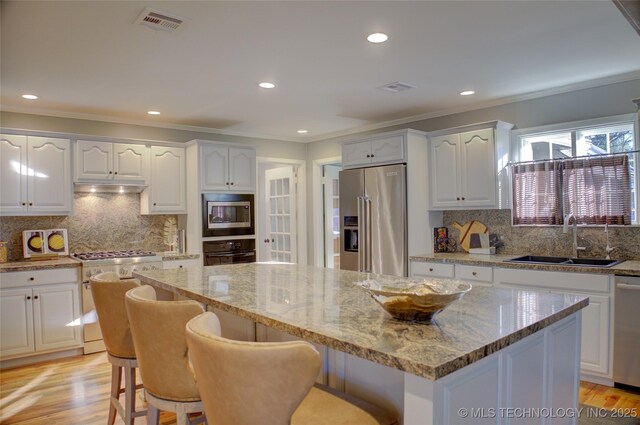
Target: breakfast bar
[491,351]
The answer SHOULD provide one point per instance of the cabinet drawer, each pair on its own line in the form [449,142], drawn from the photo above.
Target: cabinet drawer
[475,273]
[38,277]
[419,269]
[553,280]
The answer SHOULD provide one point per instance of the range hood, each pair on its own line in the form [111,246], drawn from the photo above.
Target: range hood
[107,188]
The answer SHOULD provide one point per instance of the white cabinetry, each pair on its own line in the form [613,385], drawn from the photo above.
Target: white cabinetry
[166,193]
[380,149]
[180,264]
[42,317]
[596,317]
[36,175]
[224,167]
[466,171]
[105,161]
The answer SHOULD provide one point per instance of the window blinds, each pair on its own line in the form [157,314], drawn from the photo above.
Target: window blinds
[595,189]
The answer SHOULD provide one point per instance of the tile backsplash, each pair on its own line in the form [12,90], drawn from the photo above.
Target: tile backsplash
[548,240]
[101,221]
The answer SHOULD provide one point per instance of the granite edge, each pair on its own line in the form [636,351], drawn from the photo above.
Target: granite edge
[24,266]
[499,261]
[399,363]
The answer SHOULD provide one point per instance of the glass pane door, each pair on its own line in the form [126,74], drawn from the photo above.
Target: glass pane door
[281,207]
[331,216]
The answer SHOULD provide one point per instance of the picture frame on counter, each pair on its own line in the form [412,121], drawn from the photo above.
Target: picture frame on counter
[45,243]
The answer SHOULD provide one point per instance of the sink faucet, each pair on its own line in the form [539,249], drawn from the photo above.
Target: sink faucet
[608,249]
[565,229]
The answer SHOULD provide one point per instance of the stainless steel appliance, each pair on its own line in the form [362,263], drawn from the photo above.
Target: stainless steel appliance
[229,252]
[373,220]
[121,262]
[226,214]
[626,332]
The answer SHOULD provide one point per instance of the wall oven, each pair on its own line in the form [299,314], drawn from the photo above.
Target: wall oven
[229,252]
[227,214]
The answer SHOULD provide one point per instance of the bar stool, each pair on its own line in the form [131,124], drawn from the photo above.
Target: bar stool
[158,329]
[108,293]
[252,383]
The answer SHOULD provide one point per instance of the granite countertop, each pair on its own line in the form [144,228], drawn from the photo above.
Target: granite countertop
[30,265]
[626,268]
[324,306]
[173,257]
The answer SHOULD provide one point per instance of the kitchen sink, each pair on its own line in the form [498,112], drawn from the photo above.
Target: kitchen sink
[564,261]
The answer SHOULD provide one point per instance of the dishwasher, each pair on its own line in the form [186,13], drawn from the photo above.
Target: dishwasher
[626,332]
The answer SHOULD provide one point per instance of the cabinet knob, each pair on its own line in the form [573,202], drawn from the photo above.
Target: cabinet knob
[474,274]
[154,204]
[32,278]
[431,269]
[30,204]
[110,172]
[231,183]
[458,198]
[180,266]
[23,203]
[35,297]
[115,172]
[227,183]
[372,155]
[368,156]
[463,198]
[28,297]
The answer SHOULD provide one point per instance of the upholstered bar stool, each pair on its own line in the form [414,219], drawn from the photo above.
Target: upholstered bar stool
[108,293]
[158,329]
[252,383]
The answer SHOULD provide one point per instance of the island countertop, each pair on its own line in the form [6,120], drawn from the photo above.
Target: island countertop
[324,306]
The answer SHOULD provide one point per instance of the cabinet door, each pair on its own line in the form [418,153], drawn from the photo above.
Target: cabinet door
[94,160]
[16,322]
[477,169]
[56,316]
[354,154]
[129,162]
[49,184]
[594,353]
[445,171]
[214,167]
[13,174]
[388,149]
[242,169]
[168,185]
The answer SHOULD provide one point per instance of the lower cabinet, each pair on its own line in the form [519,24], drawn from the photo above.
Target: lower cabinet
[180,264]
[39,319]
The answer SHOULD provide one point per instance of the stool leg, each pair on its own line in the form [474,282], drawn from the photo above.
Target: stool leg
[182,417]
[116,376]
[153,414]
[129,394]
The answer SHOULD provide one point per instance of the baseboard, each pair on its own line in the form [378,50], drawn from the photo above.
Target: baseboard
[38,358]
[596,379]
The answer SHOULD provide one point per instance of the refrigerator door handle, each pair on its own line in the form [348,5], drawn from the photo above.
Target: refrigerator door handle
[367,202]
[360,234]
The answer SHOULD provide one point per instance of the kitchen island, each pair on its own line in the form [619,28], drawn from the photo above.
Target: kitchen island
[494,349]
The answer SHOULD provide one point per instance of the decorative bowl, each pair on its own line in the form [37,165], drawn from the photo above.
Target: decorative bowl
[417,300]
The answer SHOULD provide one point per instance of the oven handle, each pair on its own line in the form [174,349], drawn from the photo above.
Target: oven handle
[86,282]
[238,254]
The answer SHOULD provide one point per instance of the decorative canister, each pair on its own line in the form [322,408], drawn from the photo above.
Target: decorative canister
[3,252]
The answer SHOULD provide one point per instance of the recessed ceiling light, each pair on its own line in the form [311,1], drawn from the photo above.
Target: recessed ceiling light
[266,85]
[467,93]
[377,37]
[302,131]
[153,113]
[29,96]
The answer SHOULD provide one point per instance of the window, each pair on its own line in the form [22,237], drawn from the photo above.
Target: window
[586,169]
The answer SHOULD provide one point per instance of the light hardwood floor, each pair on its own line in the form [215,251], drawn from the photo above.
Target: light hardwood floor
[76,390]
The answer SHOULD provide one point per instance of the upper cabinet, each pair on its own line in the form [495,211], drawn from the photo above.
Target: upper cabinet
[111,162]
[376,150]
[166,193]
[468,168]
[35,175]
[224,167]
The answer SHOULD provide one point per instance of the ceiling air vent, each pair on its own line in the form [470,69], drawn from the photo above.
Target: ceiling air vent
[159,21]
[397,87]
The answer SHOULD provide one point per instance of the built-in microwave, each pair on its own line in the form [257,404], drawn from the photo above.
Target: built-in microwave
[227,214]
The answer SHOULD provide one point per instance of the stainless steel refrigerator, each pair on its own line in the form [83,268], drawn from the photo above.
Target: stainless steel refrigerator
[373,220]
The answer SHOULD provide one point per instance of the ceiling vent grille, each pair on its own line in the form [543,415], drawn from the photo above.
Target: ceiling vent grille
[397,87]
[159,21]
